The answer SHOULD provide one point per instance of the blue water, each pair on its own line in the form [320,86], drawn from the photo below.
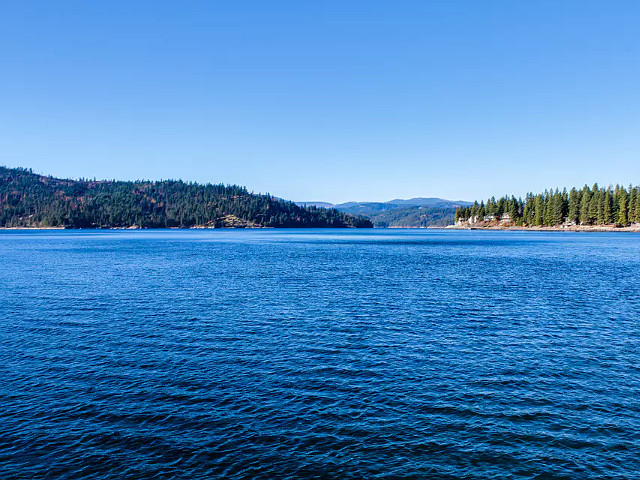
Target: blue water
[319,354]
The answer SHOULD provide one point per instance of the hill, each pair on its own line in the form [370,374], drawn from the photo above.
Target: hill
[316,204]
[411,217]
[429,202]
[414,212]
[31,200]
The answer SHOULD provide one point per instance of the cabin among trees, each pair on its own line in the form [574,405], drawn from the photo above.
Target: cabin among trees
[617,206]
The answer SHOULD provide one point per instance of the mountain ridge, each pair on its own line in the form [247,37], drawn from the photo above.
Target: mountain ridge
[416,201]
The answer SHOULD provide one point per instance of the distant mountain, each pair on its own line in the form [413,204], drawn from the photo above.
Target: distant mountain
[316,204]
[31,200]
[414,217]
[414,212]
[430,202]
[365,208]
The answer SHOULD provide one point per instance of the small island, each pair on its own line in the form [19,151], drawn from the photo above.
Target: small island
[590,208]
[28,200]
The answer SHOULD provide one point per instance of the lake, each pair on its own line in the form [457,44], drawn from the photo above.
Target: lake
[319,354]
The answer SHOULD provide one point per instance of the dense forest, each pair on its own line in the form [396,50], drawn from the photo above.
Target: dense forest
[31,200]
[617,206]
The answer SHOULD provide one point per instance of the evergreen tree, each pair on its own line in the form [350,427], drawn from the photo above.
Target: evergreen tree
[528,211]
[556,216]
[607,208]
[622,215]
[634,214]
[538,208]
[573,214]
[585,206]
[481,212]
[474,211]
[491,207]
[546,212]
[513,210]
[595,207]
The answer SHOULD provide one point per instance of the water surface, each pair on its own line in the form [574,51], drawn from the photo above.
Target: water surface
[319,354]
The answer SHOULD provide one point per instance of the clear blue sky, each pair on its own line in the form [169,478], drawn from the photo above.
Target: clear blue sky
[325,100]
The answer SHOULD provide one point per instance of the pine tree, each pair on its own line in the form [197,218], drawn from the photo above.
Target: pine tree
[573,214]
[538,209]
[491,208]
[474,211]
[585,203]
[556,209]
[615,204]
[528,209]
[607,208]
[634,206]
[622,215]
[596,209]
[547,214]
[565,204]
[514,210]
[502,207]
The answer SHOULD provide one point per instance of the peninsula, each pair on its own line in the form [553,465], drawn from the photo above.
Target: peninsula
[28,200]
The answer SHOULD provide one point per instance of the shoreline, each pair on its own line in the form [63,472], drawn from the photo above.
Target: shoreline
[575,228]
[176,228]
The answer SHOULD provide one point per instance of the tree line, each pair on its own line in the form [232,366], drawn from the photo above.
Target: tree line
[594,205]
[30,200]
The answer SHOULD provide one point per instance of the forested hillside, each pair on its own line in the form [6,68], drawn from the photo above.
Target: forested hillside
[30,200]
[411,217]
[617,206]
[414,212]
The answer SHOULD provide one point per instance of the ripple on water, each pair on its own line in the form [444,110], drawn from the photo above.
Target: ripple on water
[319,354]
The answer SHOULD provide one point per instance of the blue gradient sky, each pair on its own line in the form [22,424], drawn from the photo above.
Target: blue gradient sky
[326,100]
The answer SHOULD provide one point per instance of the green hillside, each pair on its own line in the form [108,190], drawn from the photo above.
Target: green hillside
[31,200]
